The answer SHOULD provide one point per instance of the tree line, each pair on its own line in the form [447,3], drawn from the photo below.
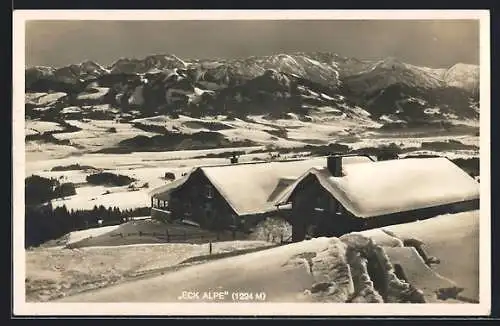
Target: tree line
[43,222]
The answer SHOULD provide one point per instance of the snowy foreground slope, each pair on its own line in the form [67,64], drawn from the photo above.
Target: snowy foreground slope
[359,267]
[55,272]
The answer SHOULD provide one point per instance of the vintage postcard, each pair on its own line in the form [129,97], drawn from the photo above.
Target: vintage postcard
[330,163]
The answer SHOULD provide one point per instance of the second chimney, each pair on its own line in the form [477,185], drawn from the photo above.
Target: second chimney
[334,165]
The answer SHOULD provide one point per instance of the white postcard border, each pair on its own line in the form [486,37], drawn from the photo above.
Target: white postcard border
[21,307]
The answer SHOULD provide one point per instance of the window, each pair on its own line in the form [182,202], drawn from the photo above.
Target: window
[336,207]
[340,209]
[209,191]
[320,204]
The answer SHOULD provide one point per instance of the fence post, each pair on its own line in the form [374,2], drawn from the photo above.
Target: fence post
[168,236]
[281,238]
[210,247]
[140,233]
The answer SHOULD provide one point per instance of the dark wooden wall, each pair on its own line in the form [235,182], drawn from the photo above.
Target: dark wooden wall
[316,213]
[191,201]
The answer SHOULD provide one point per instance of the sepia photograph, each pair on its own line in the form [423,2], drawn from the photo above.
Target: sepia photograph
[251,162]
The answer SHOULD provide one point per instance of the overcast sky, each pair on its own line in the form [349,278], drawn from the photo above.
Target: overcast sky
[430,43]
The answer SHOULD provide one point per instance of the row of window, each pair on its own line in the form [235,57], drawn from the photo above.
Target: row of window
[158,203]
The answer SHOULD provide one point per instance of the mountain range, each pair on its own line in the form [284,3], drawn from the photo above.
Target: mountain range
[386,91]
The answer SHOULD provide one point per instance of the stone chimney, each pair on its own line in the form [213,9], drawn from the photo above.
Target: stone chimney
[334,165]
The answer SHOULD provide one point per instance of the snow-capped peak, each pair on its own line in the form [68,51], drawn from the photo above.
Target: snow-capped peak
[391,63]
[463,75]
[92,66]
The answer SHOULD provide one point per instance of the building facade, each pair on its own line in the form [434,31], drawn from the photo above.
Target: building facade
[230,196]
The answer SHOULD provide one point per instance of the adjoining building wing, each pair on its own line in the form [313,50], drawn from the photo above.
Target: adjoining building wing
[388,187]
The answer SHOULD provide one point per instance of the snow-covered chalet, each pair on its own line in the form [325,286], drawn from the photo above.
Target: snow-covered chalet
[232,196]
[342,198]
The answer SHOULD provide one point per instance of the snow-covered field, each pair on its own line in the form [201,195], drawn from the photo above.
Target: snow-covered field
[45,161]
[149,167]
[454,239]
[88,197]
[260,129]
[96,94]
[55,272]
[43,99]
[76,236]
[39,127]
[406,142]
[320,128]
[96,134]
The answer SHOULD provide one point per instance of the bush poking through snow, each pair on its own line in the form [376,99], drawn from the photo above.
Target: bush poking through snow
[272,229]
[169,176]
[72,167]
[109,179]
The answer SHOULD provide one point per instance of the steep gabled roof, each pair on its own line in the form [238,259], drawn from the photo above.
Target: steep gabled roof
[246,187]
[386,187]
[283,184]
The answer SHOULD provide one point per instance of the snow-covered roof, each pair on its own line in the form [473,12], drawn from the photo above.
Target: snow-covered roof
[386,187]
[153,70]
[248,187]
[164,191]
[71,109]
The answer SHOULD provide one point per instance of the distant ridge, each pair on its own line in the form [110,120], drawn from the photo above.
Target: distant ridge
[386,90]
